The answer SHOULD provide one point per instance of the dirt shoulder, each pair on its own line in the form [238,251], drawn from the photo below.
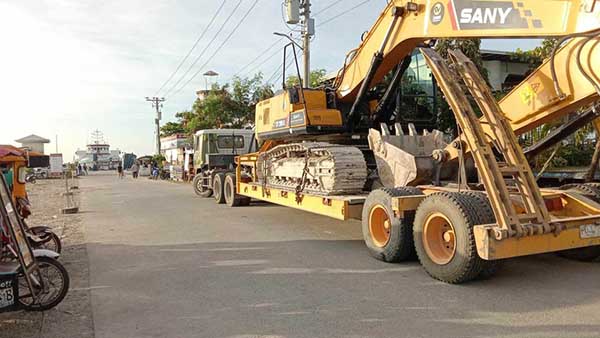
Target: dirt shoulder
[73,317]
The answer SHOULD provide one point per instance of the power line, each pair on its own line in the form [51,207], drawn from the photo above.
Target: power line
[193,47]
[205,48]
[258,57]
[220,46]
[343,13]
[263,62]
[287,66]
[327,7]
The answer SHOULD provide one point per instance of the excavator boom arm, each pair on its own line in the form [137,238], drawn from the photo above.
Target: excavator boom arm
[392,38]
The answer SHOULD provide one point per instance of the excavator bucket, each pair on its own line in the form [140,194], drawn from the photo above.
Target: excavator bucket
[404,160]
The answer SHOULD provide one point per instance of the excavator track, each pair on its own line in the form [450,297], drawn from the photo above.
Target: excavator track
[314,167]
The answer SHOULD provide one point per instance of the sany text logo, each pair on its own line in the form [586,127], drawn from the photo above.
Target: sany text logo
[468,14]
[484,15]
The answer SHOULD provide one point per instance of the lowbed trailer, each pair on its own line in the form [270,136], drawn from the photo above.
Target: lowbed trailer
[459,233]
[580,230]
[460,206]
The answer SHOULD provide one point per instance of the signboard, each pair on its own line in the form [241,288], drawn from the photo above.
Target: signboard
[9,292]
[56,165]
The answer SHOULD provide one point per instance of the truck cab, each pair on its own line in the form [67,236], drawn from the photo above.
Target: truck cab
[220,145]
[215,151]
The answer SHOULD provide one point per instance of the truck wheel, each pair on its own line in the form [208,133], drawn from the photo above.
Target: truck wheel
[444,239]
[199,187]
[588,254]
[388,238]
[218,188]
[233,199]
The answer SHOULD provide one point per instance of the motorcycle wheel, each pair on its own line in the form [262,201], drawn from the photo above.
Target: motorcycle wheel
[55,281]
[49,241]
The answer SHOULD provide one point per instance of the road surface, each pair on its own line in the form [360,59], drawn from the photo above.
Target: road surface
[166,263]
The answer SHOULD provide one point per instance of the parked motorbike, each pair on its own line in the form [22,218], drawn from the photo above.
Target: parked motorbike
[40,172]
[30,178]
[30,279]
[41,236]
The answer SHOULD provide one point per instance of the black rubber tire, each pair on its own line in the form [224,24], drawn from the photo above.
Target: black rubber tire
[198,188]
[588,254]
[218,182]
[460,209]
[485,215]
[400,245]
[592,253]
[232,199]
[44,262]
[51,242]
[593,184]
[587,189]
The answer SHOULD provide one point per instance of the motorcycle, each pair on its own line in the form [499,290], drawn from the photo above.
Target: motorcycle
[41,236]
[30,178]
[40,173]
[33,280]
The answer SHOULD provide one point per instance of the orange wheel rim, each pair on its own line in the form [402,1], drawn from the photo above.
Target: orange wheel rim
[439,239]
[380,226]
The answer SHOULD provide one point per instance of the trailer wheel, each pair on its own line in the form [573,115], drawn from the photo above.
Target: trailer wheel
[218,188]
[444,239]
[593,184]
[588,189]
[199,187]
[485,215]
[588,254]
[387,237]
[232,199]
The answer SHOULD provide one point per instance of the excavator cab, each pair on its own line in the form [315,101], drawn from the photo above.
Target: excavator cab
[296,111]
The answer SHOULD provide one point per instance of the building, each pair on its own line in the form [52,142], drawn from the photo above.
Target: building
[33,143]
[504,70]
[174,148]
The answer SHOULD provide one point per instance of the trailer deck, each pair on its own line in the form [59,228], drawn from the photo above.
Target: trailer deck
[339,207]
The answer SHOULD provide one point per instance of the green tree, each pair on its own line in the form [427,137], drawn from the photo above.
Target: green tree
[472,49]
[230,105]
[536,56]
[245,94]
[172,128]
[316,77]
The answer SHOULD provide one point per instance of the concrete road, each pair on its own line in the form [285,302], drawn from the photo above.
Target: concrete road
[166,263]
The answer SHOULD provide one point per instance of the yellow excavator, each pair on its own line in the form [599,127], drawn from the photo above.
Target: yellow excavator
[463,204]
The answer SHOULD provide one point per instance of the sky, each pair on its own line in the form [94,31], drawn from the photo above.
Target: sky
[69,67]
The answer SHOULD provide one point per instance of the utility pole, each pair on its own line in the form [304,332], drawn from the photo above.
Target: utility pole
[307,32]
[157,103]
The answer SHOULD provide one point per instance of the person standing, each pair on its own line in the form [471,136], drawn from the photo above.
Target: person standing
[79,169]
[135,169]
[120,170]
[85,168]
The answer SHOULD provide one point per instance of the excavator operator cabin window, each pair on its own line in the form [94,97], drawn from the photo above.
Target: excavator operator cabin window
[416,101]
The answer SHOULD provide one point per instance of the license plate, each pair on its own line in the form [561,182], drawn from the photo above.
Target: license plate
[589,231]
